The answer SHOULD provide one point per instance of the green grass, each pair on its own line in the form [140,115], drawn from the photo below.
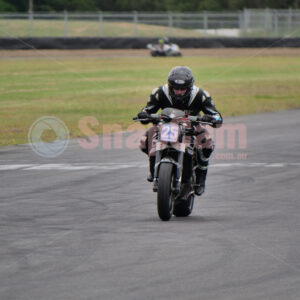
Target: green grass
[113,90]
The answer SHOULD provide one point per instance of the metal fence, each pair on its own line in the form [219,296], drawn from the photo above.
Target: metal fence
[246,23]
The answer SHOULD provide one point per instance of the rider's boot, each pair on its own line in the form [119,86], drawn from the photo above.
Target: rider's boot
[201,170]
[150,176]
[199,187]
[185,190]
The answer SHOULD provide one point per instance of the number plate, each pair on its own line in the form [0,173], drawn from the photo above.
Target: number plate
[169,133]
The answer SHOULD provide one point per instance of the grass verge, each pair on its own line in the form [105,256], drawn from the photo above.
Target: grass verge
[113,90]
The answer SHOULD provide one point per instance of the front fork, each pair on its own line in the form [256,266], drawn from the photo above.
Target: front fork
[178,165]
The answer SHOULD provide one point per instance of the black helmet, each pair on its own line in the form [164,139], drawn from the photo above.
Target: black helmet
[180,78]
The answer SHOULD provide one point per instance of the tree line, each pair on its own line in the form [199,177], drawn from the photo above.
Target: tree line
[143,5]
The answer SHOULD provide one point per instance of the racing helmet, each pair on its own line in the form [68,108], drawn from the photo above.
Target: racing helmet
[180,82]
[163,40]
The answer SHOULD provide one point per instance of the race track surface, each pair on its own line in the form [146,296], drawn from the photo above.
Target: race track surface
[84,225]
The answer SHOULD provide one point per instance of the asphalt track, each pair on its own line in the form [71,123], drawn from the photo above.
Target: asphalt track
[80,227]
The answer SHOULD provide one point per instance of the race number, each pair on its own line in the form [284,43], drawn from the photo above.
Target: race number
[169,133]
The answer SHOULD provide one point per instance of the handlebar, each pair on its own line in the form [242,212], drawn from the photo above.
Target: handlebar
[152,117]
[158,117]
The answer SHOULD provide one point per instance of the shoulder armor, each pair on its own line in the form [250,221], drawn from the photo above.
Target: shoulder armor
[155,93]
[165,89]
[205,95]
[194,93]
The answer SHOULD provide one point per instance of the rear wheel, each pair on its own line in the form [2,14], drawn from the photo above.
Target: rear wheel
[164,191]
[184,208]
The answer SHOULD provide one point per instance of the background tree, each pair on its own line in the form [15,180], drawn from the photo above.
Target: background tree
[144,5]
[5,6]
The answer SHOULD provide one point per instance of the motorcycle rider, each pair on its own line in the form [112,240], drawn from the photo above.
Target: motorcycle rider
[181,93]
[162,42]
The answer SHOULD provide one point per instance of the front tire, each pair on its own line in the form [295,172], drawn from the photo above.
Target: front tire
[164,191]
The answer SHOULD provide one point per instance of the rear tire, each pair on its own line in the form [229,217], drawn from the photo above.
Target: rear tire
[164,191]
[184,208]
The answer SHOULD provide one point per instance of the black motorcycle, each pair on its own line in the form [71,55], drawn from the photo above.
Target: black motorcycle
[175,158]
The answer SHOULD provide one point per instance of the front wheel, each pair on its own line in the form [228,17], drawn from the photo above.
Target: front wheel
[164,191]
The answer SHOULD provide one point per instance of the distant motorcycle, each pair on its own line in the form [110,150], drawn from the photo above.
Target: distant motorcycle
[164,49]
[175,136]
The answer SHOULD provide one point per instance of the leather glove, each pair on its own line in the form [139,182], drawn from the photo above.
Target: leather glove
[143,115]
[214,119]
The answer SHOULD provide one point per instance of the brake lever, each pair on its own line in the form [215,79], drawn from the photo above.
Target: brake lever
[151,119]
[136,119]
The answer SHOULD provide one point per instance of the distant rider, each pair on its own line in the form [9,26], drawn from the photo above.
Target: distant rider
[181,93]
[163,41]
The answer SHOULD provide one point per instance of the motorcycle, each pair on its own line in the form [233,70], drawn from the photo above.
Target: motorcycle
[175,158]
[164,49]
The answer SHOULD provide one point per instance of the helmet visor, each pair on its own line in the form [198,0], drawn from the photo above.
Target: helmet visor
[180,91]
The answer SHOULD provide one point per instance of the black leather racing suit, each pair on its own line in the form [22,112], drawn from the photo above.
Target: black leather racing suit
[198,101]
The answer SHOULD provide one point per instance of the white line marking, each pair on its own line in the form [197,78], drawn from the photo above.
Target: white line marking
[12,167]
[71,167]
[275,165]
[118,166]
